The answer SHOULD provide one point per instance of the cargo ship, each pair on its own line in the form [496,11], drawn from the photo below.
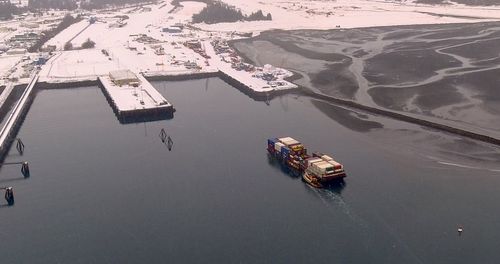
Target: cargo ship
[316,169]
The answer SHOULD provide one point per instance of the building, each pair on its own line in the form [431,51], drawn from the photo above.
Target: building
[124,77]
[30,25]
[40,61]
[49,48]
[172,30]
[30,36]
[16,51]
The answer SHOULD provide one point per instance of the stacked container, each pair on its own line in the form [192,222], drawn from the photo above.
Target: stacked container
[295,146]
[270,145]
[321,168]
[285,153]
[278,146]
[292,154]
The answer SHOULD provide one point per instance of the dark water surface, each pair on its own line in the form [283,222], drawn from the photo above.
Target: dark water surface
[102,192]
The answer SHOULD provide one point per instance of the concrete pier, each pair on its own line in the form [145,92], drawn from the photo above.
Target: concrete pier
[16,117]
[245,81]
[134,98]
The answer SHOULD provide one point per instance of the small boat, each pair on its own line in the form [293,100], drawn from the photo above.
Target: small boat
[312,180]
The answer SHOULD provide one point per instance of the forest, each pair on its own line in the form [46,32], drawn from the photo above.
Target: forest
[218,12]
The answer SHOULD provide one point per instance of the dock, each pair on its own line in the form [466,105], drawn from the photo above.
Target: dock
[16,117]
[133,98]
[244,80]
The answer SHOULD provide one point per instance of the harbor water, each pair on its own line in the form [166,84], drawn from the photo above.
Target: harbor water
[104,192]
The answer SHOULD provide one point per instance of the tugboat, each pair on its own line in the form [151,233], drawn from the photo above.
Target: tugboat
[311,180]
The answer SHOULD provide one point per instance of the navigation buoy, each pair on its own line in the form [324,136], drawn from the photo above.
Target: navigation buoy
[20,146]
[460,230]
[9,195]
[25,169]
[163,135]
[170,143]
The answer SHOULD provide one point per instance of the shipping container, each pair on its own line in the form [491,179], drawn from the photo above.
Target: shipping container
[270,144]
[321,168]
[336,165]
[272,141]
[285,152]
[326,158]
[312,160]
[296,147]
[285,139]
[278,146]
[288,141]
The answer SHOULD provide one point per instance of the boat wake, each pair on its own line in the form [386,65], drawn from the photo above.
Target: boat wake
[453,164]
[467,166]
[335,201]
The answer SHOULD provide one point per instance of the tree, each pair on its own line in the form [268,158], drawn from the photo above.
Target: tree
[68,46]
[67,21]
[88,44]
[7,10]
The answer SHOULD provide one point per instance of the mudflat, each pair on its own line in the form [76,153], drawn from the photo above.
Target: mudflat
[443,72]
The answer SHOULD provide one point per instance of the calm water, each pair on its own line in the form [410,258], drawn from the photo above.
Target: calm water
[102,192]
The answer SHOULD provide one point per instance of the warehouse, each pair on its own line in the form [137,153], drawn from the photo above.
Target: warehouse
[123,77]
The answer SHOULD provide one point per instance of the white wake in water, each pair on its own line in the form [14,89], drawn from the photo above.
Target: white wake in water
[330,198]
[448,163]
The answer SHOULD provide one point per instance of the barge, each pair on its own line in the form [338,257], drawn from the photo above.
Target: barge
[316,169]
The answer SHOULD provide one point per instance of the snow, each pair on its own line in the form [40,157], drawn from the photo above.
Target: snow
[78,63]
[256,84]
[119,41]
[189,8]
[128,98]
[126,51]
[67,34]
[7,62]
[315,14]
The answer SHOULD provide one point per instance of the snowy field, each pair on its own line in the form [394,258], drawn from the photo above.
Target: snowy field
[66,35]
[77,63]
[315,14]
[120,42]
[7,62]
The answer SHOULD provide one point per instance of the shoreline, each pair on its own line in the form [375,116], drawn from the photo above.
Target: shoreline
[260,96]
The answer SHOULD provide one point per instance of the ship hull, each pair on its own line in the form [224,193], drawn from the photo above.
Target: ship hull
[335,177]
[311,180]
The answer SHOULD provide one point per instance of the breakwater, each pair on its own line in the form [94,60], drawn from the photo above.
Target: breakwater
[403,117]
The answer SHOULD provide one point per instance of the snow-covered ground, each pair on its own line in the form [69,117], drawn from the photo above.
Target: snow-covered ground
[66,35]
[131,37]
[320,14]
[77,63]
[128,98]
[257,84]
[140,45]
[7,62]
[125,52]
